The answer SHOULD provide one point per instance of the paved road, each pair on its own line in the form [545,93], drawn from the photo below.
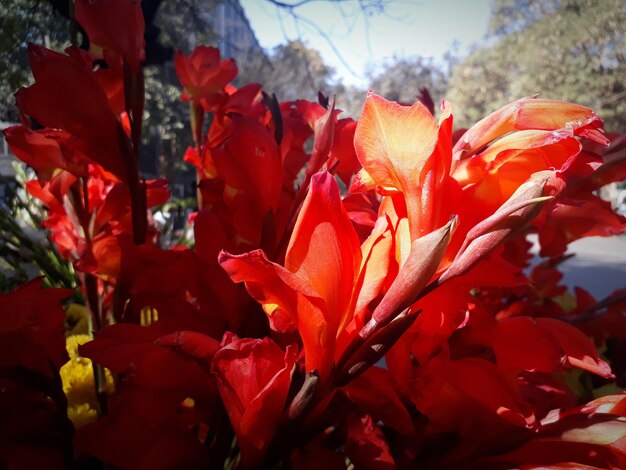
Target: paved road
[599,265]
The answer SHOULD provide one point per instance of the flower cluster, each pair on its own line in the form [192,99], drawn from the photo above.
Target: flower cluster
[322,246]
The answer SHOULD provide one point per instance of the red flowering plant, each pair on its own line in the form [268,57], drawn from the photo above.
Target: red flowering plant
[261,346]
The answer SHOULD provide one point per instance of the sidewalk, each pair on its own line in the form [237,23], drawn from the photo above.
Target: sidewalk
[599,265]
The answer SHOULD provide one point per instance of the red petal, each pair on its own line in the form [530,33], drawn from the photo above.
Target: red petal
[254,377]
[579,350]
[520,343]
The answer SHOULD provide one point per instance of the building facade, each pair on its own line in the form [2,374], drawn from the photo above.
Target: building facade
[236,37]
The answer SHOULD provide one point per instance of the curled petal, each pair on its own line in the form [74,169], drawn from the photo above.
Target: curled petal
[530,113]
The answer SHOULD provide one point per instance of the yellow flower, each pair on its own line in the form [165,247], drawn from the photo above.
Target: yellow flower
[77,320]
[82,414]
[79,385]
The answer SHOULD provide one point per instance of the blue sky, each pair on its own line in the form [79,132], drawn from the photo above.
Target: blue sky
[426,28]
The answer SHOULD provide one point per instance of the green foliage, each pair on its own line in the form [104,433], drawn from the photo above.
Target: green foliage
[21,22]
[509,16]
[25,250]
[185,24]
[574,50]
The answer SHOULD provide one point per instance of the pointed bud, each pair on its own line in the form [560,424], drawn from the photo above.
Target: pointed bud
[420,266]
[514,214]
[422,263]
[324,137]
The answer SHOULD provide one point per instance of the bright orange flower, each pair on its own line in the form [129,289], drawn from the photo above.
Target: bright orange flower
[313,292]
[324,279]
[505,148]
[403,149]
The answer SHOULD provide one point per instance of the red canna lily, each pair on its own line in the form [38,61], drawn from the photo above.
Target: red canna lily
[253,377]
[204,75]
[424,262]
[67,96]
[320,286]
[249,164]
[313,292]
[48,151]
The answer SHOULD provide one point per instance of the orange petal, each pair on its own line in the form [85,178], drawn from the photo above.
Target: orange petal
[324,250]
[286,299]
[529,113]
[393,143]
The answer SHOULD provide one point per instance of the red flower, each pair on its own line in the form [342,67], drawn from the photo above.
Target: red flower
[249,164]
[203,75]
[313,291]
[67,96]
[36,432]
[253,378]
[48,151]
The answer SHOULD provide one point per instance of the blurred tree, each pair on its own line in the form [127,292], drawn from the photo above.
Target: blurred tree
[400,79]
[513,16]
[563,49]
[297,71]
